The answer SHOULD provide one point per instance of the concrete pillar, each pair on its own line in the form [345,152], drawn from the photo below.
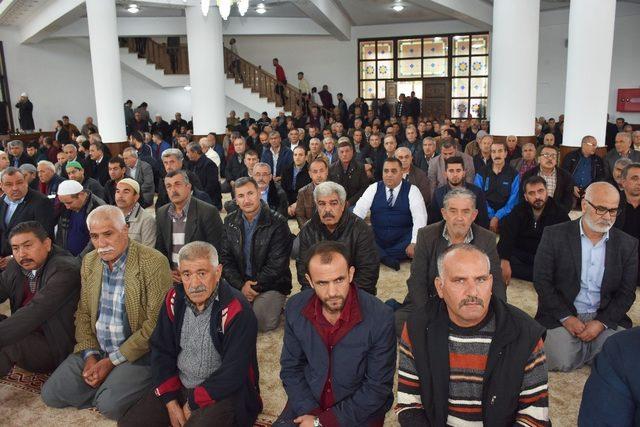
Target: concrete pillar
[591,27]
[105,64]
[206,70]
[514,67]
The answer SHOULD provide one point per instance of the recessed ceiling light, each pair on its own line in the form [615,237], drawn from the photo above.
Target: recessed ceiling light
[133,8]
[187,88]
[398,7]
[260,8]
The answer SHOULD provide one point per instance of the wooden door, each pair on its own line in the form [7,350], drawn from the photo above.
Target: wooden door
[436,97]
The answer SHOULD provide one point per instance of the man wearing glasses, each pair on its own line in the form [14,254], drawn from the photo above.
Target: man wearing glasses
[584,166]
[559,182]
[585,274]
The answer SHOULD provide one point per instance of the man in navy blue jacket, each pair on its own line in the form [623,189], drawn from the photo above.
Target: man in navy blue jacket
[204,381]
[277,156]
[339,350]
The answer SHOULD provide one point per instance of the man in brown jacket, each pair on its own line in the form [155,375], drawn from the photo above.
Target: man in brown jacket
[123,287]
[305,206]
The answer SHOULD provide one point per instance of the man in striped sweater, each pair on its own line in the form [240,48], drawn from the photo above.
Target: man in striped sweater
[470,359]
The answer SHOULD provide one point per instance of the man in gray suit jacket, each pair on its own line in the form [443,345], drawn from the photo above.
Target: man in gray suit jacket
[142,172]
[459,212]
[438,171]
[184,220]
[585,274]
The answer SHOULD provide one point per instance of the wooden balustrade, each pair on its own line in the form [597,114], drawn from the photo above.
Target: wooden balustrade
[251,76]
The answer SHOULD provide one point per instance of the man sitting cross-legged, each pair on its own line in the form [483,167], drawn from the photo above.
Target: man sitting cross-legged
[203,352]
[42,284]
[467,357]
[123,284]
[339,349]
[255,251]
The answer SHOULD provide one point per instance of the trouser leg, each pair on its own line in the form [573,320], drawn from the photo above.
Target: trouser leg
[564,351]
[521,266]
[31,353]
[149,411]
[220,414]
[267,307]
[66,387]
[122,388]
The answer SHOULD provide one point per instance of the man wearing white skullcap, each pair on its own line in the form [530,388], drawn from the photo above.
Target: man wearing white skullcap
[25,113]
[142,225]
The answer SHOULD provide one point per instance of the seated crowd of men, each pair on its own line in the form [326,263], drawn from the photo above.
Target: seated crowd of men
[153,319]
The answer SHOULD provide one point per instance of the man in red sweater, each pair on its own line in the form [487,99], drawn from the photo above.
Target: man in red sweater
[282,80]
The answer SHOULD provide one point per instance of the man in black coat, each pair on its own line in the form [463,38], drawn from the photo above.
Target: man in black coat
[25,113]
[349,173]
[521,230]
[559,181]
[332,221]
[235,167]
[20,204]
[294,177]
[173,160]
[459,212]
[584,165]
[206,171]
[255,251]
[40,333]
[185,219]
[98,163]
[585,274]
[17,154]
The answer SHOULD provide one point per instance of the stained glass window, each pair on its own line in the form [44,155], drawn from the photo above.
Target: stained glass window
[436,46]
[459,108]
[411,48]
[367,70]
[385,49]
[385,70]
[479,86]
[409,68]
[460,66]
[460,45]
[367,50]
[459,88]
[480,44]
[368,89]
[382,89]
[478,107]
[479,65]
[408,86]
[434,67]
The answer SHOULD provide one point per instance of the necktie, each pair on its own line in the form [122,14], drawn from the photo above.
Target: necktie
[31,276]
[390,199]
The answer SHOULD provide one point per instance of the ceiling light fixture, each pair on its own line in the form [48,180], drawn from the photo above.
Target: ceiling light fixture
[205,5]
[398,7]
[133,8]
[224,7]
[260,9]
[243,6]
[187,88]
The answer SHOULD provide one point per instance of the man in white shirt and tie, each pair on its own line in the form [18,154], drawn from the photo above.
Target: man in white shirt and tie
[397,213]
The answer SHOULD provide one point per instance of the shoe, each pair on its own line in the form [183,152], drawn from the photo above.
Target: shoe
[391,263]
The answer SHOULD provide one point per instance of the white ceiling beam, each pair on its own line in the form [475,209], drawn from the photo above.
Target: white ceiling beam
[177,26]
[55,15]
[329,16]
[474,12]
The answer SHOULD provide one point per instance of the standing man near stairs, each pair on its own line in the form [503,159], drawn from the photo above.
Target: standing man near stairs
[282,80]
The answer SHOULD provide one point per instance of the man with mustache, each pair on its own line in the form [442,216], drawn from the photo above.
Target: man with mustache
[142,225]
[184,220]
[123,287]
[203,351]
[585,273]
[559,181]
[255,251]
[270,191]
[332,221]
[500,183]
[339,351]
[629,219]
[522,229]
[470,358]
[42,284]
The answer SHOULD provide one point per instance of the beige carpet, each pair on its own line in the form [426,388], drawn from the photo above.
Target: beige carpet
[22,408]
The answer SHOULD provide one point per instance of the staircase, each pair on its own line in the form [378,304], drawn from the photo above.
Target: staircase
[246,83]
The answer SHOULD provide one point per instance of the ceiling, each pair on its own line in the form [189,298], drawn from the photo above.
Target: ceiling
[559,4]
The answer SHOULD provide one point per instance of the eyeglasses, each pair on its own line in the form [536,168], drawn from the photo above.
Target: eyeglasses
[601,210]
[548,155]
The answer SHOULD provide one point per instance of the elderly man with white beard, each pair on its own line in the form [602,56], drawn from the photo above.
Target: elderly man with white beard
[585,274]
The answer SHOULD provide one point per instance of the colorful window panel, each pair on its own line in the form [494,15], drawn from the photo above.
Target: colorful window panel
[459,88]
[436,46]
[479,65]
[460,45]
[368,50]
[368,89]
[459,108]
[434,67]
[480,44]
[460,66]
[409,68]
[382,89]
[385,69]
[411,48]
[367,70]
[385,49]
[478,108]
[479,86]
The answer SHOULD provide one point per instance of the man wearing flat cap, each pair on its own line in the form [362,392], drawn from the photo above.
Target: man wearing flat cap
[72,233]
[142,225]
[76,172]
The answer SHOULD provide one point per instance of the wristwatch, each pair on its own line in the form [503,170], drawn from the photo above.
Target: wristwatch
[316,422]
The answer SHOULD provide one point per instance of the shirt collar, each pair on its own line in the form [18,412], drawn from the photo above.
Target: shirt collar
[11,202]
[394,188]
[185,210]
[120,262]
[255,218]
[467,239]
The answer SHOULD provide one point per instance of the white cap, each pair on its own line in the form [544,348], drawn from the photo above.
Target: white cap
[69,187]
[24,94]
[158,115]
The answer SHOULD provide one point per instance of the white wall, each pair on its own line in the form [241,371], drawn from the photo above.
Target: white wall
[552,64]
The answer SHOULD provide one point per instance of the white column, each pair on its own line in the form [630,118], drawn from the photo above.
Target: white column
[591,27]
[206,70]
[514,66]
[105,63]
